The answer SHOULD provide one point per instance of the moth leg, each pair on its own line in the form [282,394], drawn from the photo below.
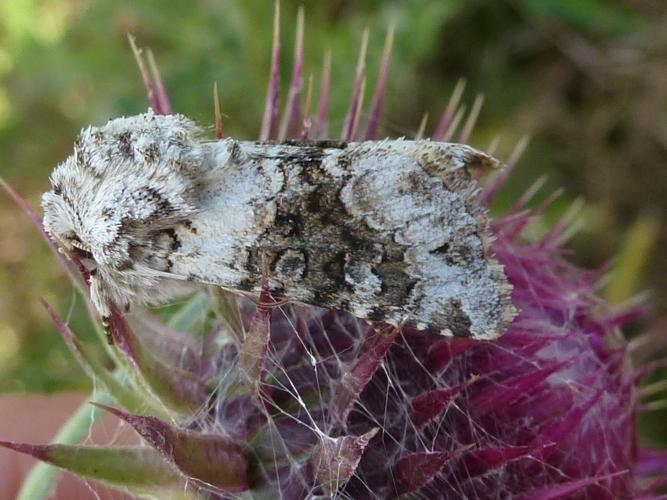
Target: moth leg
[106,325]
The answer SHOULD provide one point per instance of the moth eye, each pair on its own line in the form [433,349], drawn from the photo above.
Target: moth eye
[78,248]
[81,253]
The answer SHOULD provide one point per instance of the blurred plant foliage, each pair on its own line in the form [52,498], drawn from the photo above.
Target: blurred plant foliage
[593,17]
[585,78]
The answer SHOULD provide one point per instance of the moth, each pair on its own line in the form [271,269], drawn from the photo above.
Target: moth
[390,231]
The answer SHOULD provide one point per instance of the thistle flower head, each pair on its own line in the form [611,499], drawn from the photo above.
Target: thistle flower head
[295,402]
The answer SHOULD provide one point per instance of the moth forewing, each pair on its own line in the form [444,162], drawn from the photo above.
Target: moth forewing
[388,230]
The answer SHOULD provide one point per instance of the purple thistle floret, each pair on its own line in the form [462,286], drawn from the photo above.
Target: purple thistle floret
[298,402]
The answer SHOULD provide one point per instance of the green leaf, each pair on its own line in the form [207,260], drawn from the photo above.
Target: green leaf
[638,244]
[178,389]
[125,396]
[211,461]
[601,17]
[194,310]
[137,469]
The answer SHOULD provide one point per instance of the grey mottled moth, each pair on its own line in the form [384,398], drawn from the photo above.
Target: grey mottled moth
[388,230]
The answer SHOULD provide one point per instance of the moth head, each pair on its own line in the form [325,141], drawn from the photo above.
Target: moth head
[63,221]
[115,201]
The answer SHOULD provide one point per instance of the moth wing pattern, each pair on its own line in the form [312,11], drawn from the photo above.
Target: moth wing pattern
[388,230]
[399,236]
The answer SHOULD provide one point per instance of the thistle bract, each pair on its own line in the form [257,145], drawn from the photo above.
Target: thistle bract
[291,401]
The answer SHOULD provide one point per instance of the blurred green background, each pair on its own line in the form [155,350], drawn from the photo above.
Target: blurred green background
[586,79]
